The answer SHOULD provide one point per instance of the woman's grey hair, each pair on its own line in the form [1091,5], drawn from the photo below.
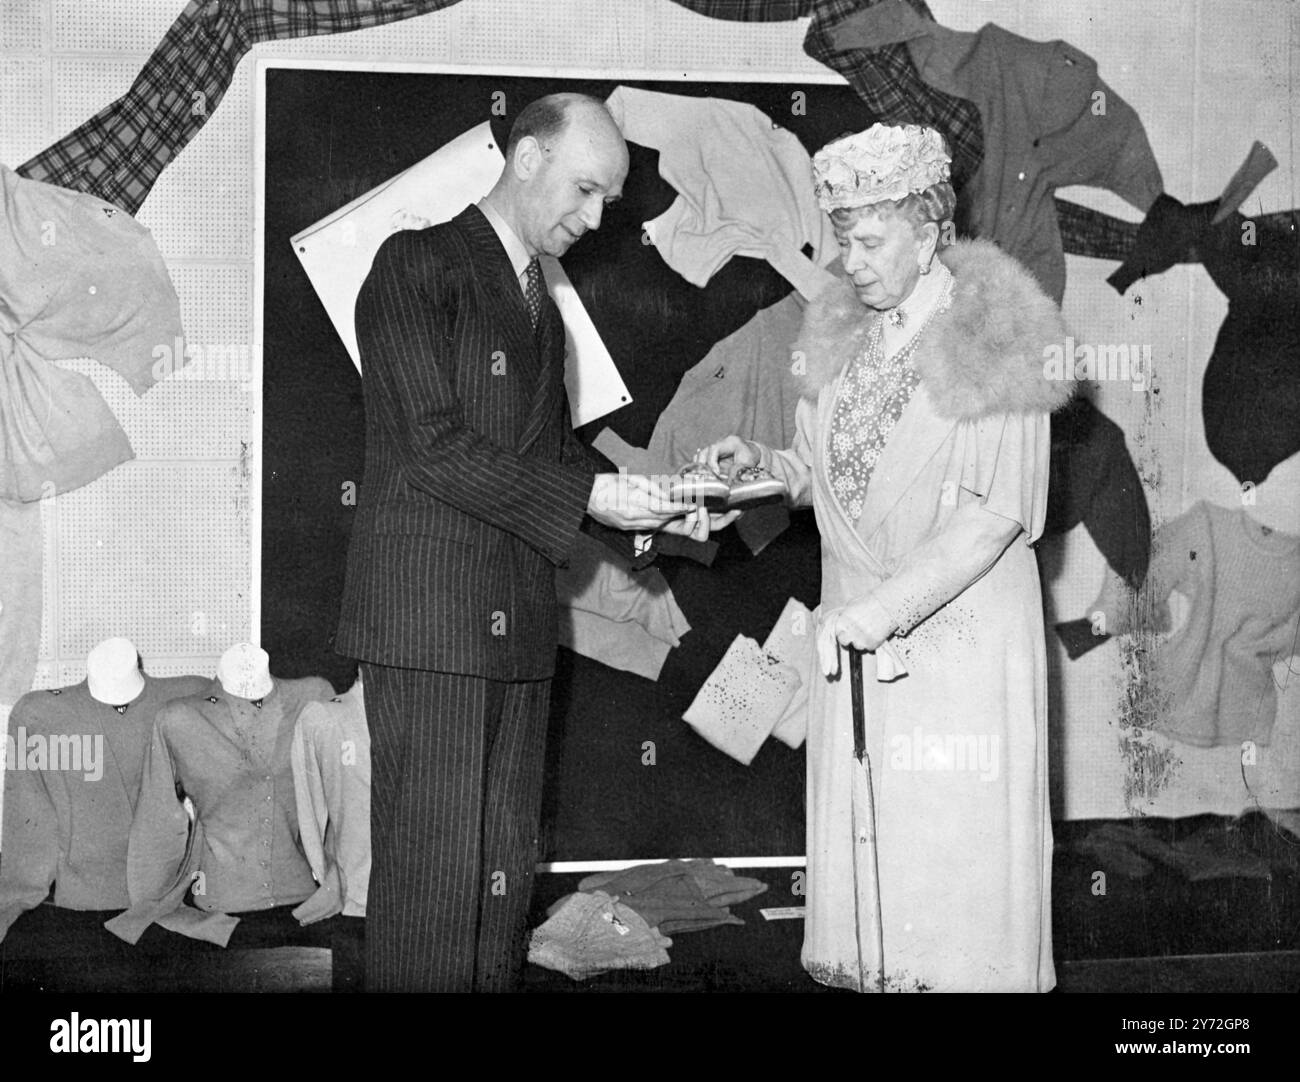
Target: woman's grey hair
[935,204]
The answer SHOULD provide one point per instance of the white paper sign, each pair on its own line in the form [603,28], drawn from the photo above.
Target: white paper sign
[337,253]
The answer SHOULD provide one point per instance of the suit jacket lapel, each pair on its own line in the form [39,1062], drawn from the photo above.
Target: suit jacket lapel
[505,300]
[543,349]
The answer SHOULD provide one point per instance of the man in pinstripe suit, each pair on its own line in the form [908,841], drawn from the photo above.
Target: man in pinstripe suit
[474,490]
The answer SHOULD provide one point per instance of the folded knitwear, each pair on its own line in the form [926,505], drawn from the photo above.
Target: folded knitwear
[742,700]
[678,896]
[791,643]
[589,934]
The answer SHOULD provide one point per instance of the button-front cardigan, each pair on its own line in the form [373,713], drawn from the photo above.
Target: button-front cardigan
[70,828]
[242,852]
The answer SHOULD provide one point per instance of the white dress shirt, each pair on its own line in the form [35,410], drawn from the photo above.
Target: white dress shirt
[519,258]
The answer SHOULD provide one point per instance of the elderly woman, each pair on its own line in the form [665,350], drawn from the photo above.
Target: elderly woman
[922,445]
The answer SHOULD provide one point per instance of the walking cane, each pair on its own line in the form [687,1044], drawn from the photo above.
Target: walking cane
[863,805]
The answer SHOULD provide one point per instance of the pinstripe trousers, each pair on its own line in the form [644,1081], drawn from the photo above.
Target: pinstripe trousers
[456,788]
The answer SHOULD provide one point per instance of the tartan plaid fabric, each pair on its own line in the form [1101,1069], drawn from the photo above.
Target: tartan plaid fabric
[750,11]
[1085,231]
[887,80]
[118,154]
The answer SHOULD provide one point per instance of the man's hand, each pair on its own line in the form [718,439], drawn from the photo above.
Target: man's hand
[864,625]
[630,501]
[700,523]
[634,502]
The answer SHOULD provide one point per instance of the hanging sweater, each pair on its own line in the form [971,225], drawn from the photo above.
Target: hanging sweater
[742,183]
[1215,674]
[1048,118]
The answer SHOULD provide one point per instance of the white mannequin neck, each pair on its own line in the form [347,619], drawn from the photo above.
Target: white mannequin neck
[244,671]
[113,674]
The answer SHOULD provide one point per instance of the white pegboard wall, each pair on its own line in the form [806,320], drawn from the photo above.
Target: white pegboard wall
[49,579]
[191,419]
[25,125]
[550,33]
[180,666]
[158,552]
[202,205]
[85,85]
[73,672]
[203,418]
[112,28]
[216,309]
[25,26]
[425,39]
[47,676]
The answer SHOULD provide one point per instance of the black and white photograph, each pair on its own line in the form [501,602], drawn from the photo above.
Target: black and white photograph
[651,496]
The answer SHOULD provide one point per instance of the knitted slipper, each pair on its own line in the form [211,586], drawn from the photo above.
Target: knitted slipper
[751,483]
[696,483]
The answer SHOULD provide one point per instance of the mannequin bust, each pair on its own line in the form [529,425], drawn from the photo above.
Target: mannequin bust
[113,672]
[245,671]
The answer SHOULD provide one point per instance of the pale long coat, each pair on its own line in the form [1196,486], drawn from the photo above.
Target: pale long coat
[954,859]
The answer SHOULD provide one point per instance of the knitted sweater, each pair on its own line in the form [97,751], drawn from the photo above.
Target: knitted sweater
[1243,585]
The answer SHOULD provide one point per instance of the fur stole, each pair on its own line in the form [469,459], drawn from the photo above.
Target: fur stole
[985,354]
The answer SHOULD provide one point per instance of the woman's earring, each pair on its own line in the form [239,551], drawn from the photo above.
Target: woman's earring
[924,268]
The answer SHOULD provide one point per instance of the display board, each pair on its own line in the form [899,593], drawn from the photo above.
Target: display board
[627,778]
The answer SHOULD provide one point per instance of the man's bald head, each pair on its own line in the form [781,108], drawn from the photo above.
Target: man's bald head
[565,161]
[546,118]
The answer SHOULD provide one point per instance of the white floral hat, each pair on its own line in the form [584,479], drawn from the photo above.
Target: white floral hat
[883,162]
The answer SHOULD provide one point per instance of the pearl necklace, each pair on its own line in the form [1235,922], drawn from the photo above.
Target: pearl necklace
[875,343]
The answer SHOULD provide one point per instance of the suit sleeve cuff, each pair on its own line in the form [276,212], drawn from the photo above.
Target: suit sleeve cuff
[556,534]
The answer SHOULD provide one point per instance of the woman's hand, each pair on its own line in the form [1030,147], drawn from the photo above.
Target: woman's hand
[728,455]
[863,625]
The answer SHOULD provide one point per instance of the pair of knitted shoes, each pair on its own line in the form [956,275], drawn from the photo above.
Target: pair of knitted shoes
[697,483]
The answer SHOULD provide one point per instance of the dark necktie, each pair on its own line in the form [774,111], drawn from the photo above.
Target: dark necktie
[533,291]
